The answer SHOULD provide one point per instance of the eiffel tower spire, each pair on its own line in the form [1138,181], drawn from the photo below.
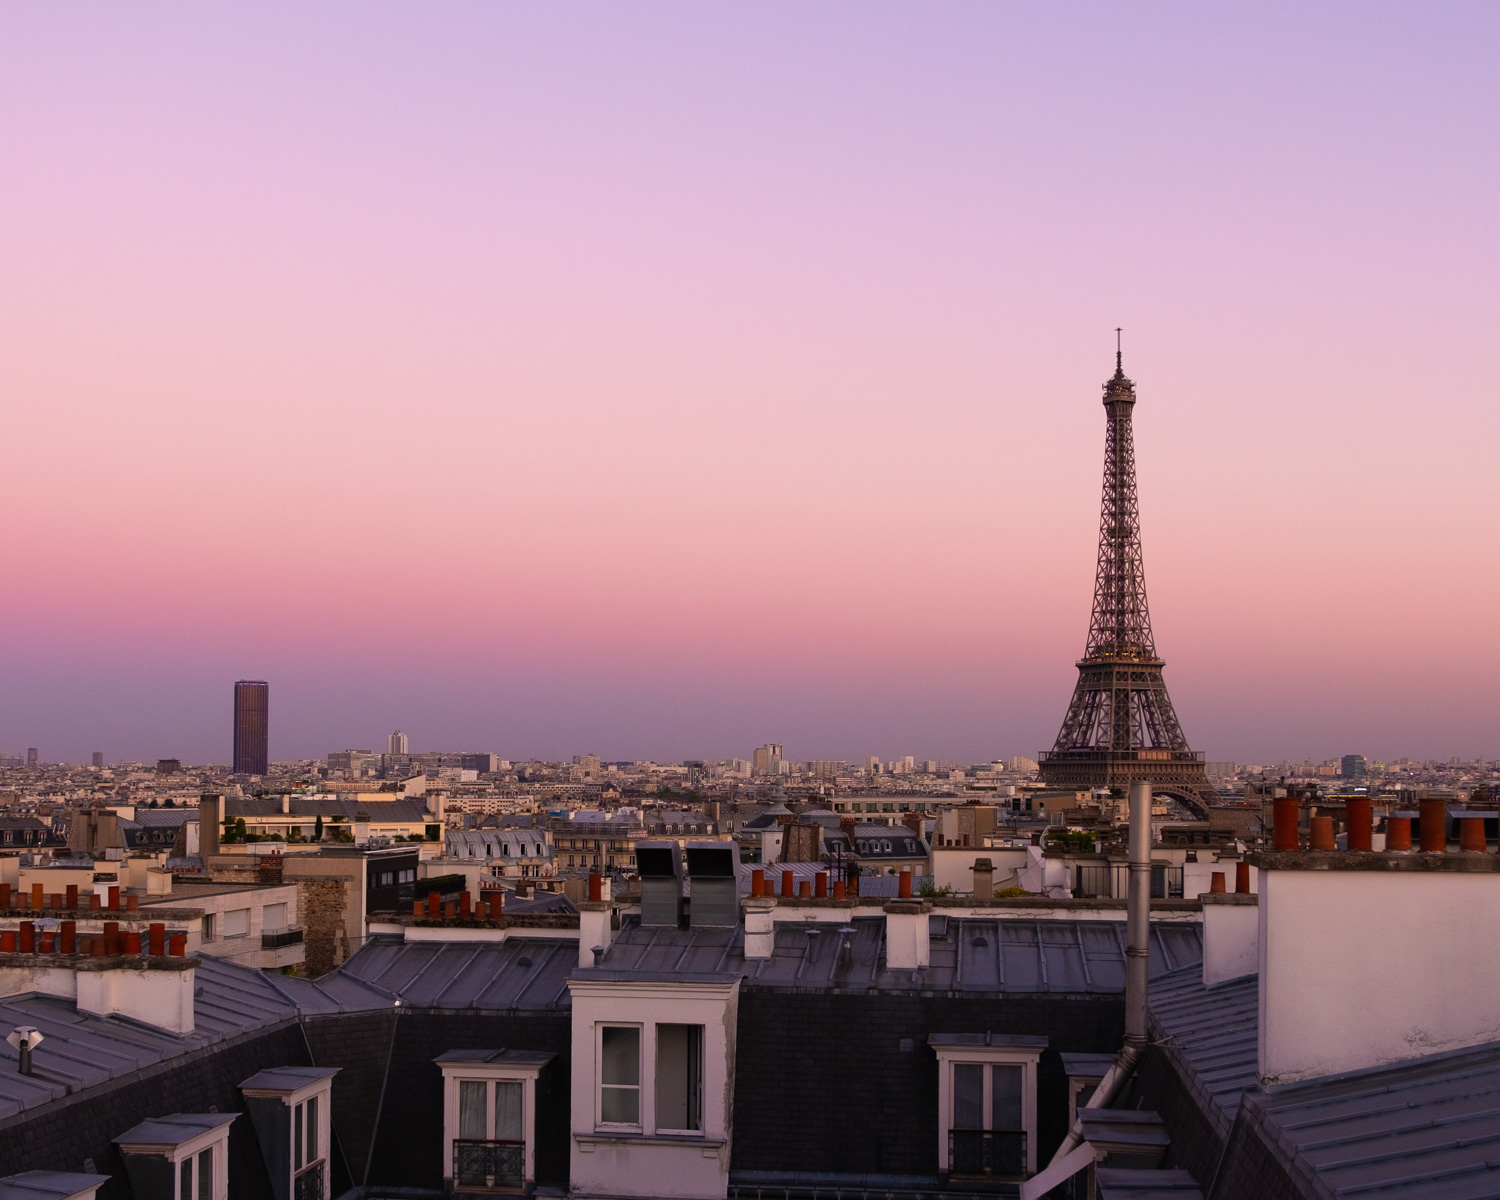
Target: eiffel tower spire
[1120,724]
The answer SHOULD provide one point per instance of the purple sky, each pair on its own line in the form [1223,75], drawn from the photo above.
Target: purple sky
[659,380]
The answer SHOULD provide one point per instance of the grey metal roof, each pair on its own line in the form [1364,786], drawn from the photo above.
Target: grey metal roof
[80,1050]
[173,1130]
[518,973]
[1132,1183]
[1211,1035]
[978,955]
[1428,1128]
[287,1079]
[48,1185]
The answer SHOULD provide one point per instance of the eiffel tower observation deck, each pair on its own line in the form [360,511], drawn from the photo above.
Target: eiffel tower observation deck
[1120,724]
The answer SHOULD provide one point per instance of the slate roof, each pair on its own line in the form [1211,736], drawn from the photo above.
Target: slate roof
[1425,1129]
[975,955]
[1211,1035]
[519,973]
[81,1050]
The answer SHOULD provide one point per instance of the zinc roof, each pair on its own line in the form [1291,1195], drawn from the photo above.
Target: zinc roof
[1428,1128]
[1212,1036]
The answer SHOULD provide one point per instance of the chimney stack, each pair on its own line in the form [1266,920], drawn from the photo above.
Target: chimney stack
[984,879]
[1434,826]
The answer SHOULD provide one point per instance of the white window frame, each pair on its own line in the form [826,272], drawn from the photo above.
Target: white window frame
[295,1100]
[656,1125]
[1014,1052]
[215,1139]
[640,1075]
[456,1072]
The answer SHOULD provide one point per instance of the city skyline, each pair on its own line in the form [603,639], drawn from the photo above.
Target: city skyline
[740,382]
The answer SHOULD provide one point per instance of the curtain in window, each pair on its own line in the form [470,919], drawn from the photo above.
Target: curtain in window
[968,1095]
[471,1109]
[508,1112]
[1007,1097]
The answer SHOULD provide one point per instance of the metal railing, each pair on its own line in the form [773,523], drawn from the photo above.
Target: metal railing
[488,1165]
[271,938]
[997,1152]
[309,1184]
[1112,880]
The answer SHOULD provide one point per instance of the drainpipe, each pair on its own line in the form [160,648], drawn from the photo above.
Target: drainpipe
[1137,960]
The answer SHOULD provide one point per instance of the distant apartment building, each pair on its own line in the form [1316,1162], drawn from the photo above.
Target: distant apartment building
[397,743]
[352,762]
[1020,763]
[31,756]
[486,764]
[98,758]
[251,726]
[168,766]
[1354,766]
[767,759]
[1222,770]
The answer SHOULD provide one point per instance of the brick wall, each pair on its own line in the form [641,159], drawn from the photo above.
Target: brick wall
[321,906]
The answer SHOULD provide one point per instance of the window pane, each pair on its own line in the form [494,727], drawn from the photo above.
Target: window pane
[1007,1097]
[312,1129]
[620,1054]
[968,1095]
[471,1109]
[620,1105]
[185,1180]
[679,1076]
[237,922]
[206,1174]
[508,1112]
[297,1138]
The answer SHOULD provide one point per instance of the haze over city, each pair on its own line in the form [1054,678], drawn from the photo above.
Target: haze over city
[663,382]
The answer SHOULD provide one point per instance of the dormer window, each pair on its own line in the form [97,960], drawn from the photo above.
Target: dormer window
[290,1108]
[489,1117]
[987,1104]
[189,1149]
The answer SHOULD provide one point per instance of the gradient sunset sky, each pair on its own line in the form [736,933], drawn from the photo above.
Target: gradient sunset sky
[657,380]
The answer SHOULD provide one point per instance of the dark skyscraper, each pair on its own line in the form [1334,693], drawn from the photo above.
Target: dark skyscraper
[1121,725]
[251,726]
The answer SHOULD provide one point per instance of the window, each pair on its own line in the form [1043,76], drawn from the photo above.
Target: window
[987,1104]
[237,922]
[679,1077]
[208,927]
[275,916]
[620,1075]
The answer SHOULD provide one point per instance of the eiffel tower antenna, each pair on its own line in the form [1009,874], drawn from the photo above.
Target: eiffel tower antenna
[1120,724]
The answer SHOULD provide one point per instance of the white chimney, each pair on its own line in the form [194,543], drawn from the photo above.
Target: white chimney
[1372,959]
[908,944]
[160,995]
[1231,936]
[760,926]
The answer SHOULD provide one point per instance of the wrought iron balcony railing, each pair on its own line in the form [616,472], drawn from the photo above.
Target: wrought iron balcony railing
[309,1184]
[488,1165]
[994,1152]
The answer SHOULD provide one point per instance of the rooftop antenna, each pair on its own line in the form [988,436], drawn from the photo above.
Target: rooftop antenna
[1118,355]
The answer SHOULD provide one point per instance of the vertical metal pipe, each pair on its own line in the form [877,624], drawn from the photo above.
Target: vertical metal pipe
[1138,915]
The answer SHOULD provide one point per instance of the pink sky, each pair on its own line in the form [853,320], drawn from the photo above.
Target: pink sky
[662,380]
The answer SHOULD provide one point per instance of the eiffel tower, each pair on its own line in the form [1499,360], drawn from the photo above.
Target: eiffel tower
[1121,725]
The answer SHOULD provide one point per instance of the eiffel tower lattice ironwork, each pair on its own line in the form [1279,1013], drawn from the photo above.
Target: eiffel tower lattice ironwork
[1121,725]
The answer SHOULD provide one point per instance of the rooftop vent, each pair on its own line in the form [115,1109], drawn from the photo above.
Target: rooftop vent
[716,890]
[660,867]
